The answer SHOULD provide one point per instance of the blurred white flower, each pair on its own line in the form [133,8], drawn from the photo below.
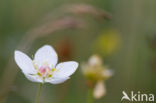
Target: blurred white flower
[99,89]
[43,68]
[96,73]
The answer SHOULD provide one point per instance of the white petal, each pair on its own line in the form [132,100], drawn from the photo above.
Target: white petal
[56,80]
[33,78]
[95,60]
[46,54]
[99,90]
[65,69]
[24,62]
[107,73]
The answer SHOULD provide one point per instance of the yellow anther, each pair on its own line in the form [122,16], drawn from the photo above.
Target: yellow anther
[49,76]
[53,69]
[39,74]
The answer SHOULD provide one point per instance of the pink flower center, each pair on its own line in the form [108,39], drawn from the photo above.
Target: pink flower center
[45,72]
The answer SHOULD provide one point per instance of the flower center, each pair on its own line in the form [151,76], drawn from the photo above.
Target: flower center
[45,72]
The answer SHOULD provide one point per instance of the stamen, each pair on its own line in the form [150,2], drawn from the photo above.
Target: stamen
[53,69]
[45,72]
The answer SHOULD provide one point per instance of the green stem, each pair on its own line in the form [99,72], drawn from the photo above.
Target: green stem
[38,93]
[90,98]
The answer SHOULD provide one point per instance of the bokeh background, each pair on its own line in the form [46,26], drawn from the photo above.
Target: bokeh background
[122,32]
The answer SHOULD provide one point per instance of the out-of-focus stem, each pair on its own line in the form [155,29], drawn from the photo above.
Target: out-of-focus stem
[38,93]
[90,98]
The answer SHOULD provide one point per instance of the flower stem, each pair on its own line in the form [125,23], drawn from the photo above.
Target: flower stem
[90,98]
[38,93]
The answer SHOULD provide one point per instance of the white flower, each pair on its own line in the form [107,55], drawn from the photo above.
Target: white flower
[96,73]
[43,68]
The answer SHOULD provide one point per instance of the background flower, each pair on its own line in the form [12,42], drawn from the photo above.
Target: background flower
[96,74]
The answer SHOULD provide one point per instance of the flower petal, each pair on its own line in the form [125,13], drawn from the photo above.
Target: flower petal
[107,73]
[24,62]
[56,80]
[95,60]
[46,54]
[33,78]
[65,69]
[99,90]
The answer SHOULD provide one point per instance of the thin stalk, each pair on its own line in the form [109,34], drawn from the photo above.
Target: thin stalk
[90,98]
[38,93]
